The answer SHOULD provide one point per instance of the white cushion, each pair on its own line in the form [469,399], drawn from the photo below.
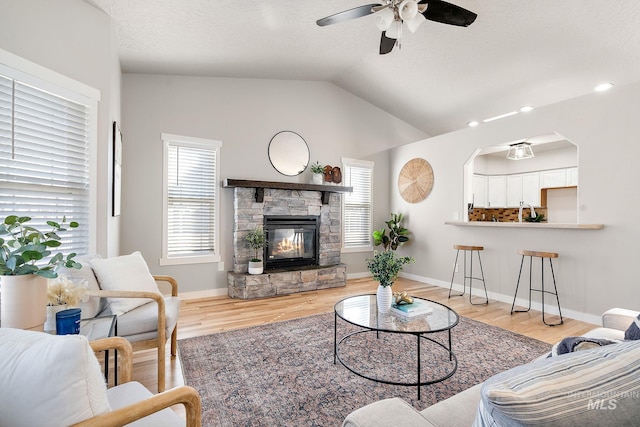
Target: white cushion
[142,323]
[48,380]
[132,392]
[125,273]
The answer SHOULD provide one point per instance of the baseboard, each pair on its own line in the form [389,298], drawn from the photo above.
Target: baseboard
[362,275]
[571,314]
[203,294]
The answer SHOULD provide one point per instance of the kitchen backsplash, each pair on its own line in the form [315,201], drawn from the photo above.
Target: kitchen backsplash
[503,215]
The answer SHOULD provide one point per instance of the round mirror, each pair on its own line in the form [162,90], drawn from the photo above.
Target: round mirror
[288,153]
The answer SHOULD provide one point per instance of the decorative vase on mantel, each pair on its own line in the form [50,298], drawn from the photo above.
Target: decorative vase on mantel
[24,301]
[317,179]
[384,295]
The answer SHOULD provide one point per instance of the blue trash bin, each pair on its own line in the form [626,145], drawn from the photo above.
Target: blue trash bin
[68,321]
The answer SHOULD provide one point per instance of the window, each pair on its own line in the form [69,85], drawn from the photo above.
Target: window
[46,134]
[357,206]
[190,200]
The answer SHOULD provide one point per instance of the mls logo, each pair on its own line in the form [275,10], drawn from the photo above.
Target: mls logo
[602,404]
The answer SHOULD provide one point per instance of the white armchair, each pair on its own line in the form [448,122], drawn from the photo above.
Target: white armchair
[123,286]
[56,380]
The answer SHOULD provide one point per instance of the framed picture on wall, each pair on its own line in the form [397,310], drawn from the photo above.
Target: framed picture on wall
[117,169]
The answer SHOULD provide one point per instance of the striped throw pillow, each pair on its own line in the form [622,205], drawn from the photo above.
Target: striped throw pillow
[595,387]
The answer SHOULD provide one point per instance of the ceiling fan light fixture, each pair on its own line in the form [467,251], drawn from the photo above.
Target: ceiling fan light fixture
[520,151]
[395,30]
[384,19]
[408,10]
[415,22]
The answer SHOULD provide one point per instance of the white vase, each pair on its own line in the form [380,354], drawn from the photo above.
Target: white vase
[383,298]
[50,323]
[255,267]
[317,178]
[24,301]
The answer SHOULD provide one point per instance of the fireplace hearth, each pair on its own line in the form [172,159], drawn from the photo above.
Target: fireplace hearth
[293,241]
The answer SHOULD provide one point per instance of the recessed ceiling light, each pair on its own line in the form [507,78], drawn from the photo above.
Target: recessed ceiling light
[526,108]
[473,123]
[501,116]
[603,87]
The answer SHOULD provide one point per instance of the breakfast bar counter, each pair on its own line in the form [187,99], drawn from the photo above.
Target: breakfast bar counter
[526,225]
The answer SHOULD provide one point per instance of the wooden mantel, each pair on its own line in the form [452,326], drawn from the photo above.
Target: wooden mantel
[326,190]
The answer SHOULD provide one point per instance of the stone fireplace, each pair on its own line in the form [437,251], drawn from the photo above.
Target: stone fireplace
[304,222]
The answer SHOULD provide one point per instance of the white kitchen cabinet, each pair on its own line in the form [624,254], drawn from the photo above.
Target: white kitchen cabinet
[524,187]
[531,188]
[514,190]
[479,191]
[497,191]
[553,178]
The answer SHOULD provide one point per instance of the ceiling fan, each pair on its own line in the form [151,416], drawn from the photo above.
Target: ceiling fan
[392,14]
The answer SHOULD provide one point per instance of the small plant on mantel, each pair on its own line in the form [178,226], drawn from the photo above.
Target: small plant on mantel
[257,240]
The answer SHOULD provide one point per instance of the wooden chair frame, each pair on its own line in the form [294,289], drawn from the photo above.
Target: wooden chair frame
[160,342]
[183,395]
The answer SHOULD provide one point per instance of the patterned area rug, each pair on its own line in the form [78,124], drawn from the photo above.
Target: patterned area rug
[282,374]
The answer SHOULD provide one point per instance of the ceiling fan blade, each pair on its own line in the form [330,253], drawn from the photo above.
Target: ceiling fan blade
[356,12]
[447,13]
[386,44]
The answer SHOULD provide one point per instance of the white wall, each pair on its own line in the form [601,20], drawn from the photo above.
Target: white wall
[74,39]
[244,114]
[596,268]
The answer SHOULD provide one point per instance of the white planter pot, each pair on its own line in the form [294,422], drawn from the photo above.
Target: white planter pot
[24,302]
[383,298]
[50,323]
[317,178]
[255,267]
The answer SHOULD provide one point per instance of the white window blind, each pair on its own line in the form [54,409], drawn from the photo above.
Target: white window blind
[357,205]
[44,159]
[191,199]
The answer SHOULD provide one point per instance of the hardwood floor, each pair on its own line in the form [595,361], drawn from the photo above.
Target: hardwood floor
[216,314]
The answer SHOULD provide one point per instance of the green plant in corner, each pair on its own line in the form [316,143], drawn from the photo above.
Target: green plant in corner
[25,246]
[397,233]
[256,239]
[385,266]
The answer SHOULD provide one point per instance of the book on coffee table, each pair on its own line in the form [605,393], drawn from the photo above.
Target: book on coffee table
[417,308]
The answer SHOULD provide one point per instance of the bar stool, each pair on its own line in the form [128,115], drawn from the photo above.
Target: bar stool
[471,250]
[542,256]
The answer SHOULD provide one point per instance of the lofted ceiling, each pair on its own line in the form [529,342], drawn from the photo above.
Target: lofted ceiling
[516,52]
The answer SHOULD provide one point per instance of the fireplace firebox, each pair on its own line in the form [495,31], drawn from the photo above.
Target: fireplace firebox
[293,241]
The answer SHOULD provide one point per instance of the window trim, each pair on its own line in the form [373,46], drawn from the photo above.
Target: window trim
[188,141]
[51,81]
[347,162]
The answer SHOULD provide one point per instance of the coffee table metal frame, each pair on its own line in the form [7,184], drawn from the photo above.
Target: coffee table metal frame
[102,327]
[419,334]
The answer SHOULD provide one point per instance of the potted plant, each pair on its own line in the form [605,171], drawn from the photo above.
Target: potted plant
[385,266]
[318,173]
[25,265]
[256,239]
[397,233]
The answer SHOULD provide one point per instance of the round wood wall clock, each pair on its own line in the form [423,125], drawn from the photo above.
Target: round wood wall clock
[415,180]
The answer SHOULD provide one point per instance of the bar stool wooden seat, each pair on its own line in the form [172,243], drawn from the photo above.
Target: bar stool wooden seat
[470,277]
[542,256]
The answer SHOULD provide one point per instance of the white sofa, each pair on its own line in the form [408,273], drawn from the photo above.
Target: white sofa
[580,385]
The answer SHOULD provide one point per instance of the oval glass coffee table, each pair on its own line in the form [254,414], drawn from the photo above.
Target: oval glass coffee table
[383,347]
